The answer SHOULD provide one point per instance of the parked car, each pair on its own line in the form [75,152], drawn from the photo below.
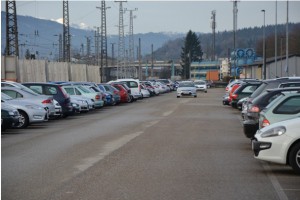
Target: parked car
[42,100]
[81,90]
[134,85]
[54,90]
[285,106]
[201,85]
[270,84]
[250,113]
[144,91]
[210,83]
[167,82]
[123,92]
[29,112]
[10,116]
[111,90]
[244,90]
[279,143]
[80,104]
[186,88]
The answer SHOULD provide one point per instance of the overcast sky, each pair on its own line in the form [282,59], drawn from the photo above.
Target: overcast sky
[164,16]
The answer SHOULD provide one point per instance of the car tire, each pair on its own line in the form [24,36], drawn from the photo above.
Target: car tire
[294,157]
[195,96]
[178,96]
[205,91]
[24,120]
[249,131]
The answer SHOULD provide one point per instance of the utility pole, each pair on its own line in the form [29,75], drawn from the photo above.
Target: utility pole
[213,26]
[97,46]
[152,64]
[287,39]
[103,42]
[235,11]
[276,38]
[264,47]
[66,33]
[131,39]
[12,46]
[121,44]
[140,60]
[113,55]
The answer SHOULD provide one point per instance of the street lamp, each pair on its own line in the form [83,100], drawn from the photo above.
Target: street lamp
[264,47]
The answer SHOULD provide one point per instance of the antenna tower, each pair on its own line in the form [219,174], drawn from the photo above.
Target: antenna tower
[121,44]
[103,43]
[12,46]
[66,33]
[131,38]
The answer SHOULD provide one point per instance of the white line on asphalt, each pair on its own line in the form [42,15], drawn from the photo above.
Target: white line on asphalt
[107,149]
[275,182]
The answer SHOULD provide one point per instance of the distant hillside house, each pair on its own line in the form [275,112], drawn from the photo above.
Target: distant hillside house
[255,70]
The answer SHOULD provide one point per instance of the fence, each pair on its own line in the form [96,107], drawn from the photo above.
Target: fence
[43,71]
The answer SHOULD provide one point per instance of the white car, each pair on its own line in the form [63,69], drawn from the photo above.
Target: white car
[201,85]
[279,143]
[186,88]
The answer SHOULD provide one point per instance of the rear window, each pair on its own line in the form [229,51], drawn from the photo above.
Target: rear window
[289,106]
[131,84]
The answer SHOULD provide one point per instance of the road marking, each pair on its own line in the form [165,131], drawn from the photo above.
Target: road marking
[107,149]
[280,193]
[165,114]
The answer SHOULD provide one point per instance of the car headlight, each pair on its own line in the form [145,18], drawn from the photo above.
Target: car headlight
[34,107]
[75,105]
[276,131]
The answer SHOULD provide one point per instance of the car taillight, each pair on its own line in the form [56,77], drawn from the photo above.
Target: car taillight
[254,109]
[116,92]
[234,96]
[265,123]
[47,101]
[227,88]
[97,97]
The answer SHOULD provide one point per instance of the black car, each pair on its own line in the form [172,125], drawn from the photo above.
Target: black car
[9,116]
[245,90]
[251,112]
[272,83]
[56,91]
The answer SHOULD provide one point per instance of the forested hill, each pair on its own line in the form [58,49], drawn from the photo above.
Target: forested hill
[245,38]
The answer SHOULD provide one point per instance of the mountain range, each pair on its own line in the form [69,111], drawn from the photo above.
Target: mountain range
[40,37]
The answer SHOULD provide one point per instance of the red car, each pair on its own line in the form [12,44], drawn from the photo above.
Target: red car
[125,98]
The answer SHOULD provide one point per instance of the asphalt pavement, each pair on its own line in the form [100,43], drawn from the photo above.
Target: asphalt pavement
[161,148]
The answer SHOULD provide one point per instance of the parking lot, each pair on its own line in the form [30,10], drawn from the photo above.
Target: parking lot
[158,148]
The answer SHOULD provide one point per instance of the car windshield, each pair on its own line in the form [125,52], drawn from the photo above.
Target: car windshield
[186,84]
[5,96]
[84,89]
[200,82]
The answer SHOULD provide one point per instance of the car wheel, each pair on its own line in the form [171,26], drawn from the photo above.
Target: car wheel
[205,91]
[249,131]
[195,96]
[24,120]
[178,96]
[294,157]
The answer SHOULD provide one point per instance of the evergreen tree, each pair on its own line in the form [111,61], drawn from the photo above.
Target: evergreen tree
[191,52]
[27,54]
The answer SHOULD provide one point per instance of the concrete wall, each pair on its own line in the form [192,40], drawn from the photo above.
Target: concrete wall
[43,71]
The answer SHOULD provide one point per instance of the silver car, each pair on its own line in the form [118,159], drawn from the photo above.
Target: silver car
[30,112]
[42,100]
[186,88]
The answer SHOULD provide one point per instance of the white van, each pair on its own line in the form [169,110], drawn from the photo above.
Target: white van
[134,85]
